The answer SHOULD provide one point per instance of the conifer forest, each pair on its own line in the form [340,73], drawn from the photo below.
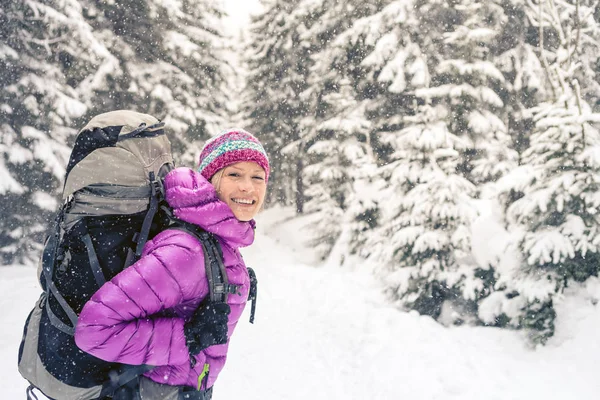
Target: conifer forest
[399,123]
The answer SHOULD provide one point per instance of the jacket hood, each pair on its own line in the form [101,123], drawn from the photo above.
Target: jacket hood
[194,200]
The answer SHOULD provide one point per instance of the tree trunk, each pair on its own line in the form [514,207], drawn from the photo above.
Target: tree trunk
[299,185]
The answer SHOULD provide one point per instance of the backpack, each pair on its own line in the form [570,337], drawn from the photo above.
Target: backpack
[113,202]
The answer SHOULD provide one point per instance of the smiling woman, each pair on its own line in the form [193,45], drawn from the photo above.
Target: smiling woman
[179,329]
[236,164]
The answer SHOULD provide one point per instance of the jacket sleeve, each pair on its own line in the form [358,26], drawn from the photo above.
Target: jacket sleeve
[121,322]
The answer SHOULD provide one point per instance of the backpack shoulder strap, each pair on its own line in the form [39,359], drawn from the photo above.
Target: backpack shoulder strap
[215,268]
[219,286]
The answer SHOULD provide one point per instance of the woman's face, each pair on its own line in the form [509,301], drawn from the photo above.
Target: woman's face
[242,186]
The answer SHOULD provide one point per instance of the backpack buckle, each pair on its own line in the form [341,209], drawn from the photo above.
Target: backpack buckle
[227,288]
[157,186]
[64,260]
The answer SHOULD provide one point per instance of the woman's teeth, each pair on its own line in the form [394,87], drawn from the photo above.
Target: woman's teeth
[243,201]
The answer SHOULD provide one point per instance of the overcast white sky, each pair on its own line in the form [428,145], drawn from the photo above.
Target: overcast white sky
[239,12]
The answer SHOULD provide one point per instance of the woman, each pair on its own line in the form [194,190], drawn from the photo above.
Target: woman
[153,312]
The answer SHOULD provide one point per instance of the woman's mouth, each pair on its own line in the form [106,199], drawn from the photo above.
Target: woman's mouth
[245,202]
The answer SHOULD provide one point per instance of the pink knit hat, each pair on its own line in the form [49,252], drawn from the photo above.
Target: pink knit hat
[229,147]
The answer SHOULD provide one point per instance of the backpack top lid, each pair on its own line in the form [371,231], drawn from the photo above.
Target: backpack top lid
[118,148]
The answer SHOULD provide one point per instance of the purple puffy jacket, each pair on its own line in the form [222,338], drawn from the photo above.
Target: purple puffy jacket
[125,320]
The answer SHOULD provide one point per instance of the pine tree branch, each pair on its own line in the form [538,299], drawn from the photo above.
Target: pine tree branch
[45,43]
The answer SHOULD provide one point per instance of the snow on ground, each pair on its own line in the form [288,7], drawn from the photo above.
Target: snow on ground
[326,333]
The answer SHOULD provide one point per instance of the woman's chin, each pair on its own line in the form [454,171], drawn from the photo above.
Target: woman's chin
[244,215]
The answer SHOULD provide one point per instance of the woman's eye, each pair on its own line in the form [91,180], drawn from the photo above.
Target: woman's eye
[260,178]
[234,174]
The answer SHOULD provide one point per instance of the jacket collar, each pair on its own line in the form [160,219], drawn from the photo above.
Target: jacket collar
[195,200]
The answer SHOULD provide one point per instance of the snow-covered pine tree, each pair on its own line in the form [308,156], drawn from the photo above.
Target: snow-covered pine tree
[460,41]
[466,82]
[44,47]
[336,158]
[525,77]
[424,204]
[171,65]
[555,218]
[278,62]
[423,243]
[376,55]
[380,55]
[424,59]
[336,132]
[517,59]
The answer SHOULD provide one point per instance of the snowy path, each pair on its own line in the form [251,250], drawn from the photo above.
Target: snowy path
[323,334]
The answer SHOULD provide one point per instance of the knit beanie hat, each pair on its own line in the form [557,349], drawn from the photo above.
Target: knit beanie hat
[229,147]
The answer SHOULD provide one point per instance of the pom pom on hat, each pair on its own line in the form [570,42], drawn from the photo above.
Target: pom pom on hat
[229,147]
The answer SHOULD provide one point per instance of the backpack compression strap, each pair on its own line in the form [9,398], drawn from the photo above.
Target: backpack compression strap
[144,131]
[48,260]
[123,377]
[155,198]
[48,263]
[49,257]
[142,237]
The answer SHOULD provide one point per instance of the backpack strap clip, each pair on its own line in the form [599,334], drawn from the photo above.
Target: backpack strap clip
[227,288]
[158,188]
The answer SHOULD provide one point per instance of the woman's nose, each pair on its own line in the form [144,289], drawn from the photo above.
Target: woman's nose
[246,185]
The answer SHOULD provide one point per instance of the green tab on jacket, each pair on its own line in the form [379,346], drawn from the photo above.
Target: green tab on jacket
[202,375]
